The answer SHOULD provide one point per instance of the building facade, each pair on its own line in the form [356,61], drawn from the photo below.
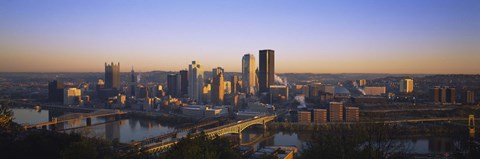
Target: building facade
[112,76]
[172,85]
[218,86]
[468,97]
[266,70]
[304,117]
[248,74]
[183,83]
[195,81]
[406,85]
[72,96]
[319,115]
[335,112]
[351,114]
[375,91]
[55,91]
[444,95]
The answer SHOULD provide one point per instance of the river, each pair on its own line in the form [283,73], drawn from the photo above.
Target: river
[135,129]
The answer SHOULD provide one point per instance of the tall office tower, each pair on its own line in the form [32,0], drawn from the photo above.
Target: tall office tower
[55,91]
[112,76]
[267,70]
[218,86]
[183,83]
[172,83]
[406,85]
[71,96]
[335,112]
[132,83]
[195,81]
[248,74]
[234,84]
[468,97]
[227,86]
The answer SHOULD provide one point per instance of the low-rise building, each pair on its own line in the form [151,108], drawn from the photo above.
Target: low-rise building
[335,112]
[319,115]
[375,91]
[352,114]
[304,117]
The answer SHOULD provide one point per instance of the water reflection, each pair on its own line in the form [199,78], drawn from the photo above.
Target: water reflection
[418,145]
[135,129]
[30,116]
[125,130]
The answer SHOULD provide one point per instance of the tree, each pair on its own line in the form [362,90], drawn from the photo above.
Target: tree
[336,142]
[372,141]
[79,150]
[6,117]
[203,147]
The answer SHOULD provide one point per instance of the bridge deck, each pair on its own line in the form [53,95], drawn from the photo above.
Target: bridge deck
[225,129]
[76,116]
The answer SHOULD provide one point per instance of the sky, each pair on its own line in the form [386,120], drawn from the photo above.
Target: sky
[318,36]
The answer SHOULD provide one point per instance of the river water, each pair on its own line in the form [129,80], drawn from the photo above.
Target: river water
[134,129]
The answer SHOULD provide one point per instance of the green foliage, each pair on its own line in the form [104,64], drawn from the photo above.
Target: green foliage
[203,147]
[49,144]
[372,141]
[6,117]
[79,150]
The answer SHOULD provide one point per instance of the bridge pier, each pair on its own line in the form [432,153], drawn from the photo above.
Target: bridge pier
[53,127]
[239,136]
[111,118]
[89,121]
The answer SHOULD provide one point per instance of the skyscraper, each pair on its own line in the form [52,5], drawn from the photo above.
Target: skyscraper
[55,91]
[183,83]
[112,76]
[218,90]
[234,84]
[406,85]
[132,83]
[267,70]
[248,74]
[172,82]
[195,81]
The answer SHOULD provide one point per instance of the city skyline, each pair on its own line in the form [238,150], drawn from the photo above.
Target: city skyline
[398,37]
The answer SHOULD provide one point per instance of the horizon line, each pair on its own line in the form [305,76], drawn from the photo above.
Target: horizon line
[241,72]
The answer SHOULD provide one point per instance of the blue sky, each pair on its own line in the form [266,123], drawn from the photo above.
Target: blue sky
[401,36]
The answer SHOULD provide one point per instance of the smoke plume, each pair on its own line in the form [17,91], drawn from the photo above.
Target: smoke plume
[279,80]
[358,88]
[139,76]
[300,99]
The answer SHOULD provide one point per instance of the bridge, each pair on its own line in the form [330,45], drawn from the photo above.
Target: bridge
[55,107]
[173,135]
[232,128]
[77,116]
